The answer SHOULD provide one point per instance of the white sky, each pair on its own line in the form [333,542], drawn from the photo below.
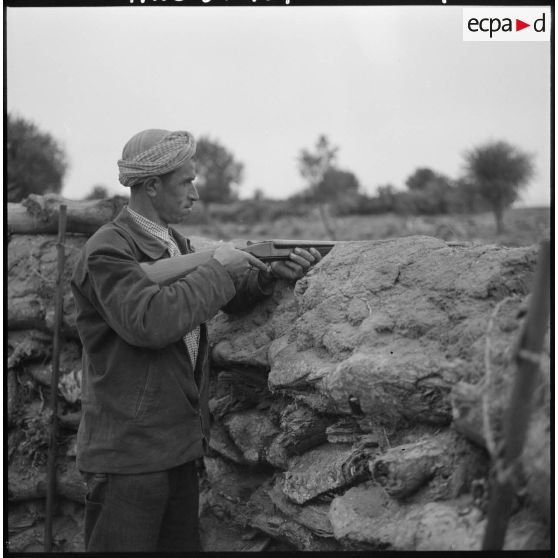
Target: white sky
[395,88]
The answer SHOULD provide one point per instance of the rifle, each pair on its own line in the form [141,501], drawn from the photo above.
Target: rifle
[168,270]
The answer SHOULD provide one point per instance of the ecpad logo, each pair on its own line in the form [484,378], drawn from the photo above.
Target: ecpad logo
[506,24]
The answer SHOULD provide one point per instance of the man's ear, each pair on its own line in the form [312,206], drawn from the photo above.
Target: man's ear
[152,186]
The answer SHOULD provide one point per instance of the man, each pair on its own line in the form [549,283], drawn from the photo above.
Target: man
[145,416]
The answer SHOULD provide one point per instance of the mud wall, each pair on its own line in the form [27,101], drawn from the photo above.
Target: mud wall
[356,410]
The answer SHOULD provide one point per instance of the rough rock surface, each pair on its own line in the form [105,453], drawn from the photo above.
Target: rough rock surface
[359,410]
[381,338]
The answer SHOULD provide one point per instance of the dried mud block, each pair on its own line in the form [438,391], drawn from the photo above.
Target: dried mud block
[70,372]
[242,499]
[32,272]
[397,323]
[69,326]
[281,528]
[466,403]
[446,462]
[26,535]
[346,430]
[31,484]
[28,345]
[266,517]
[230,485]
[395,382]
[312,516]
[526,532]
[293,370]
[327,468]
[221,443]
[218,537]
[238,390]
[301,430]
[244,339]
[252,432]
[404,469]
[365,517]
[440,527]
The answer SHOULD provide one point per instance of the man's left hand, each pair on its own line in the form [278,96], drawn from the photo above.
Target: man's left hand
[297,266]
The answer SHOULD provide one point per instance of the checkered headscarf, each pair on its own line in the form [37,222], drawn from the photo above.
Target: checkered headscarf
[153,153]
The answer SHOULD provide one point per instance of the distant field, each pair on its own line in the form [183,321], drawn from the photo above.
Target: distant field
[524,226]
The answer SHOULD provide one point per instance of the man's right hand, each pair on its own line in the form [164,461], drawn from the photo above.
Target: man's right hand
[237,262]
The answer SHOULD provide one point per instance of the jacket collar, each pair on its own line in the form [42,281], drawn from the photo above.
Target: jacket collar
[147,243]
[182,241]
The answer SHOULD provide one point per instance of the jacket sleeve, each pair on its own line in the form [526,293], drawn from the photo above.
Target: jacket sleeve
[251,291]
[144,313]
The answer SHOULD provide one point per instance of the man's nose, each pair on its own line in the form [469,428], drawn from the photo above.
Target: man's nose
[193,193]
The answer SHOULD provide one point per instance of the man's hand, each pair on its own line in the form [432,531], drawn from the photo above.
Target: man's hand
[237,262]
[300,262]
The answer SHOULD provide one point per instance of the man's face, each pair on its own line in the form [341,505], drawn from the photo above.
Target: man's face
[176,194]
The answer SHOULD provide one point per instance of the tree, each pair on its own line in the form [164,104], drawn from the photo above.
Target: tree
[386,195]
[420,179]
[431,191]
[258,195]
[219,174]
[99,192]
[498,171]
[36,162]
[314,166]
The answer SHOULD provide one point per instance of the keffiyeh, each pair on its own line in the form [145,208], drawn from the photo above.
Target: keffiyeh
[153,153]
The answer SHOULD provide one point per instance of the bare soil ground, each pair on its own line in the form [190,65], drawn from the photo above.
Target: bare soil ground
[524,226]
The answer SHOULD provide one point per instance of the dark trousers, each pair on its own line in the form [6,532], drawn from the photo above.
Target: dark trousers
[150,512]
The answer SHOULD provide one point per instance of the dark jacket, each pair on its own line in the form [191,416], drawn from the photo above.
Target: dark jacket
[144,407]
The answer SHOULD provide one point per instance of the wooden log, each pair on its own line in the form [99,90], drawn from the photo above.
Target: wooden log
[39,214]
[26,312]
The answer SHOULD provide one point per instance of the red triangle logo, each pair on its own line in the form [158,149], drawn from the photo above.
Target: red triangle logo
[519,25]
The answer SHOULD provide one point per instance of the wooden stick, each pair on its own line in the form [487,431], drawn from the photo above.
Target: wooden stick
[517,417]
[52,447]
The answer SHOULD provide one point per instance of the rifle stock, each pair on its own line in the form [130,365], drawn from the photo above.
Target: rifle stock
[168,270]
